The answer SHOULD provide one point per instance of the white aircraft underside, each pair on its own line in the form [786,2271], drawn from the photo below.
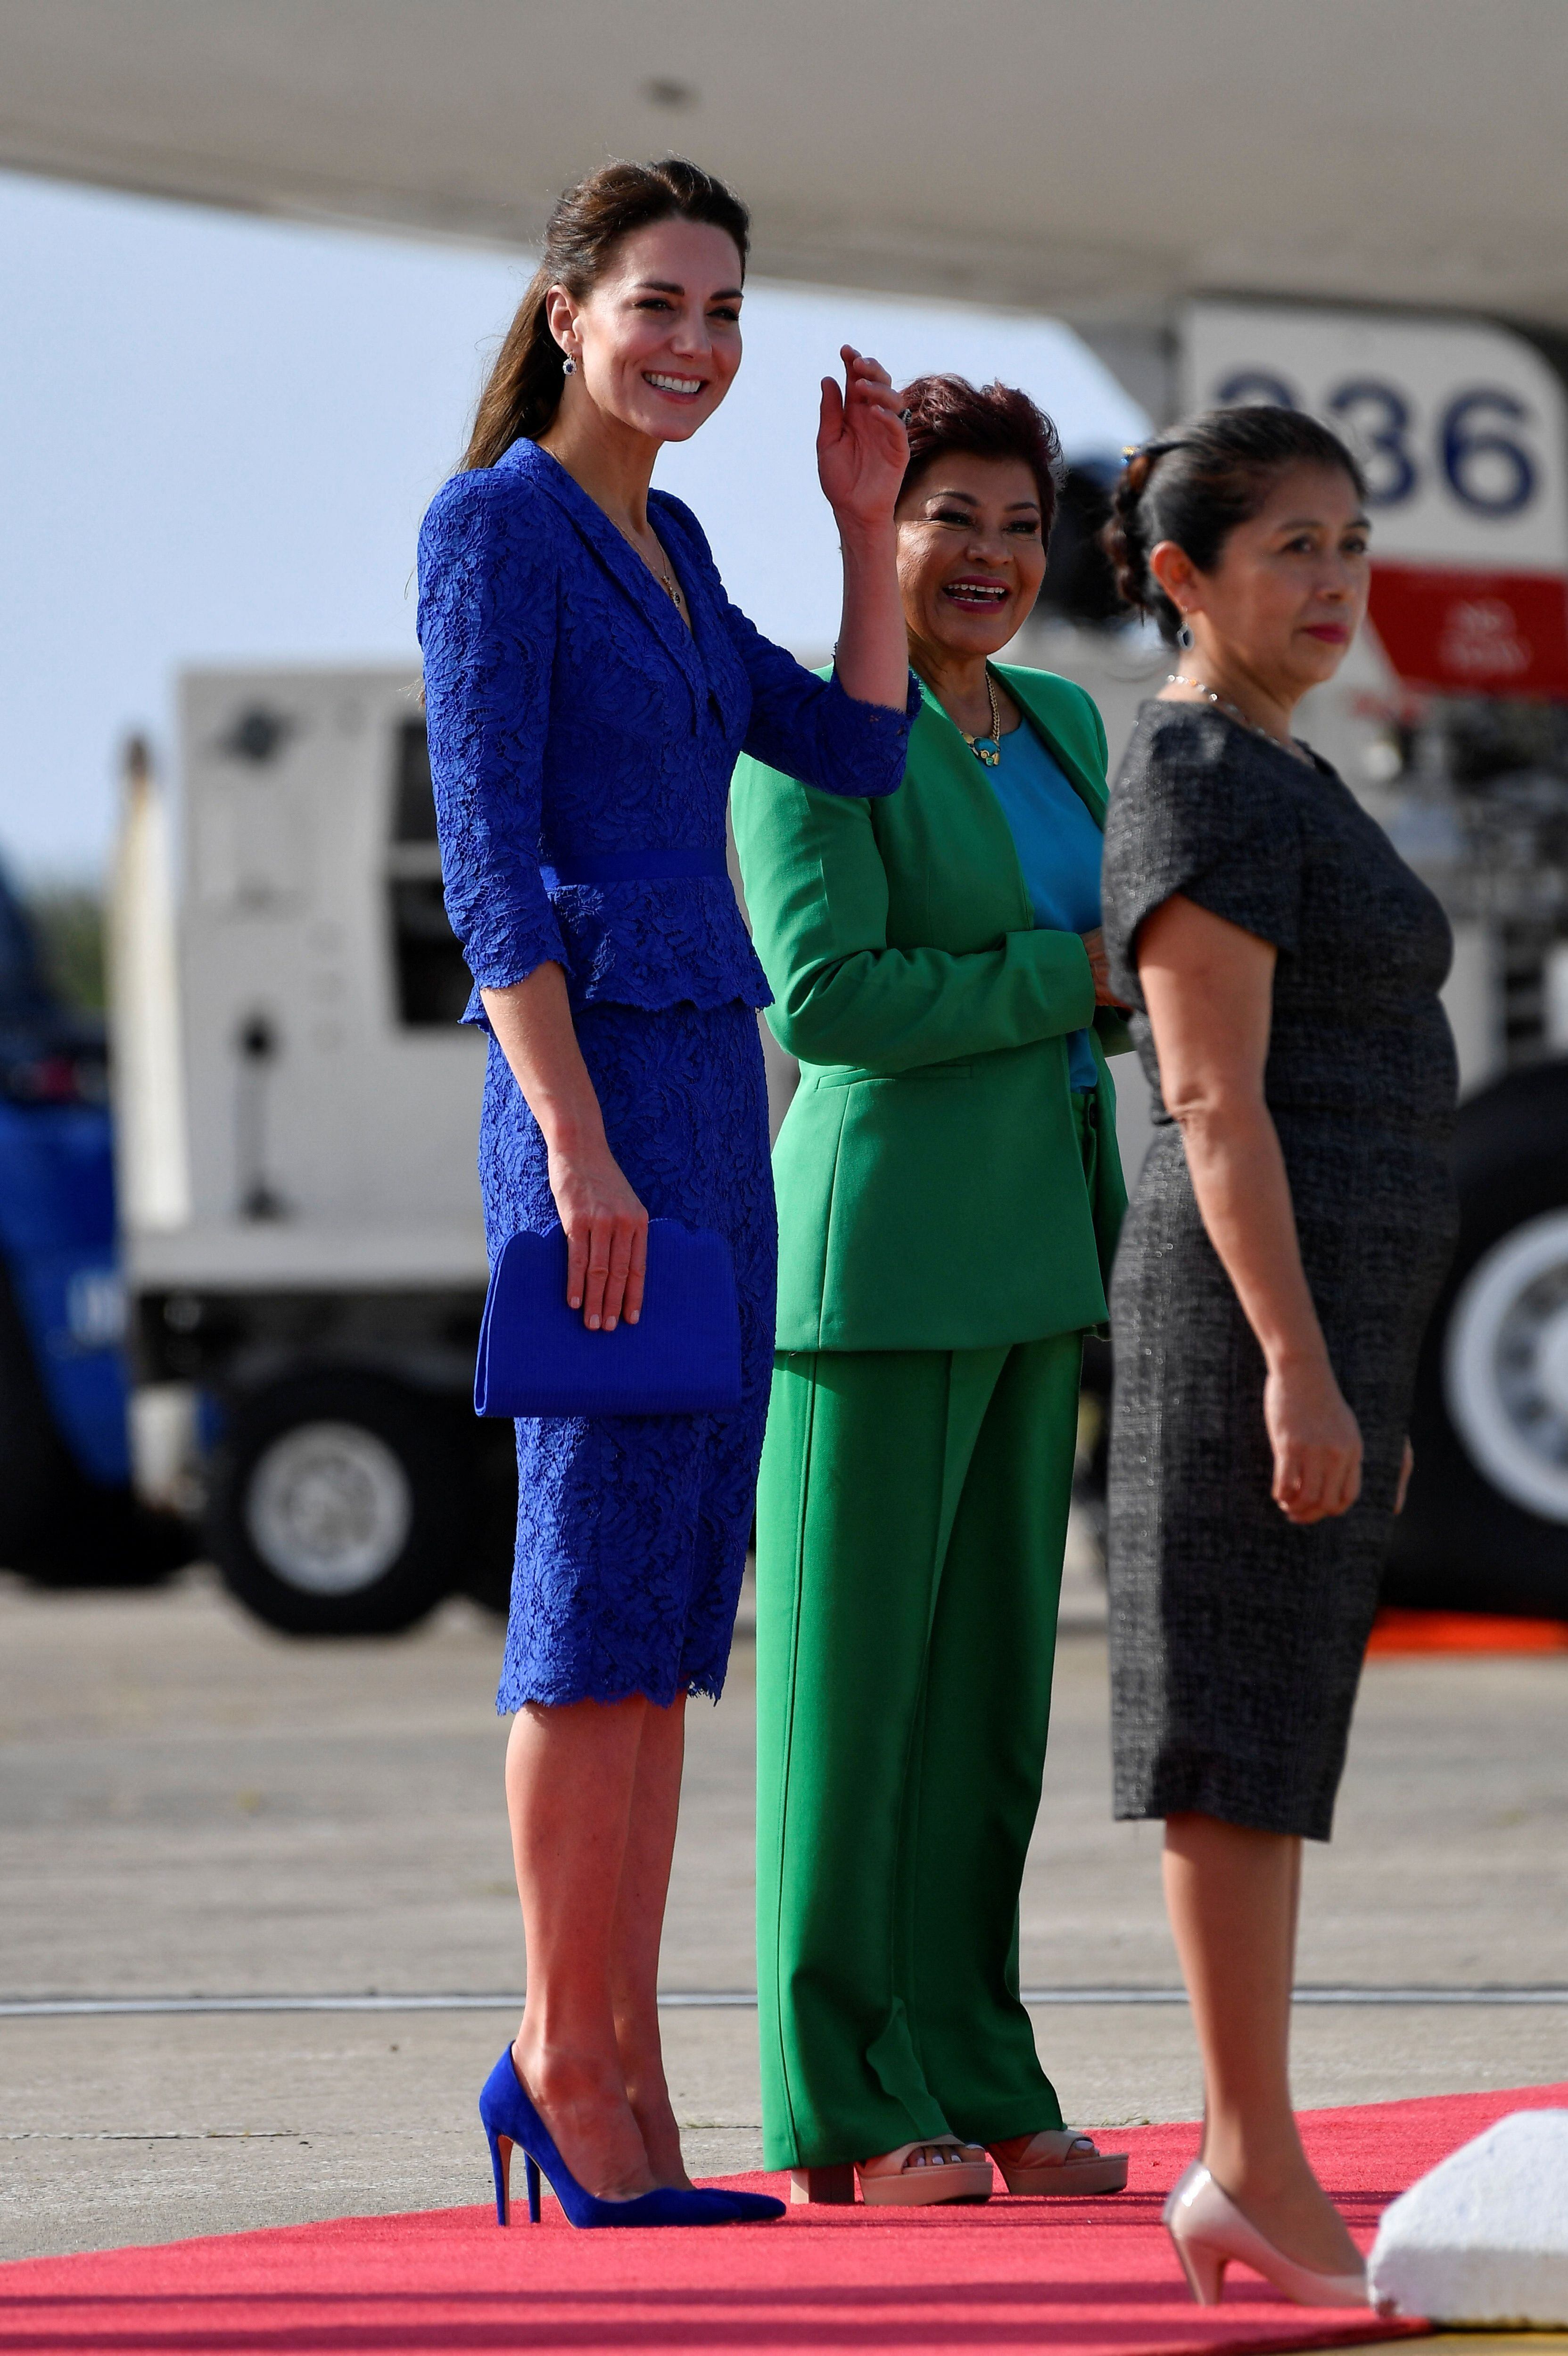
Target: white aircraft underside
[1097,158]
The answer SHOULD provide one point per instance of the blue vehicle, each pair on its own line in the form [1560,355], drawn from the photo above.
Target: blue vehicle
[68,1514]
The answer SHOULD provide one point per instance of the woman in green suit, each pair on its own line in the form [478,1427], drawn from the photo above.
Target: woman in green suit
[949,1195]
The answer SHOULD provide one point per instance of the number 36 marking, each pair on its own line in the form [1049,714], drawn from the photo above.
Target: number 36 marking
[1484,466]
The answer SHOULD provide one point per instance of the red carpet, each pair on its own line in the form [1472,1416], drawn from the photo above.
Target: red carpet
[1397,1630]
[1080,2278]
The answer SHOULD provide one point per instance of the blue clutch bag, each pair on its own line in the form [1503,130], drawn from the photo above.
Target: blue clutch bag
[682,1357]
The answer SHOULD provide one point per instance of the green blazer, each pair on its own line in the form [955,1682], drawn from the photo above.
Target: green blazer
[929,1170]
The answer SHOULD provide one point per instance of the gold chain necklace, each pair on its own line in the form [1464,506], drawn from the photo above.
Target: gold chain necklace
[987,749]
[664,575]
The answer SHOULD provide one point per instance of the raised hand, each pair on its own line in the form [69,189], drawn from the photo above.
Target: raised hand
[862,447]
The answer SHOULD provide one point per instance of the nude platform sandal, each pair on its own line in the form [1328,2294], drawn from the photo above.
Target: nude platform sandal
[1210,2234]
[1059,2165]
[900,2180]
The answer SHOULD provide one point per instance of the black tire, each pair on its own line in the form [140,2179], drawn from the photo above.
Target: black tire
[339,1504]
[1485,1527]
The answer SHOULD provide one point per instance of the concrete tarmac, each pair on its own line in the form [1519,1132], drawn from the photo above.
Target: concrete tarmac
[191,1806]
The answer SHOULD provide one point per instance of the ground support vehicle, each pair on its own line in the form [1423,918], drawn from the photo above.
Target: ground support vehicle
[300,1111]
[68,1514]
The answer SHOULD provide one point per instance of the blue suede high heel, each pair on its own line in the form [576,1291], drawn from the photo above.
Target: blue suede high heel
[509,2120]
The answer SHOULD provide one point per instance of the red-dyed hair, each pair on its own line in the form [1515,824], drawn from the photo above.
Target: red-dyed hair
[992,421]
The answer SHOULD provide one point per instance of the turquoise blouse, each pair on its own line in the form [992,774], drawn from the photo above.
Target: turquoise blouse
[1058,848]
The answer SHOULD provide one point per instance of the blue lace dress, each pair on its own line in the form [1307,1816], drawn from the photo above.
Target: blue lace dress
[576,725]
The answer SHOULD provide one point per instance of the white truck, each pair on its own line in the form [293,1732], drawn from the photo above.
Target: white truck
[297,1107]
[298,1116]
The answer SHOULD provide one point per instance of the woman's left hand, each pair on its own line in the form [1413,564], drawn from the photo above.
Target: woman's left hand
[862,447]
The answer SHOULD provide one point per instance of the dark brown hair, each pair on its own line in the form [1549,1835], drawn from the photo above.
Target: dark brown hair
[1196,483]
[523,391]
[992,421]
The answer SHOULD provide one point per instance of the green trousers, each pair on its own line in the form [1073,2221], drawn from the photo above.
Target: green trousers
[911,1516]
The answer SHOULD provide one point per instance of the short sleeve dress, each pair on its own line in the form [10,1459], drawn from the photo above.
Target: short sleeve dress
[1237,1639]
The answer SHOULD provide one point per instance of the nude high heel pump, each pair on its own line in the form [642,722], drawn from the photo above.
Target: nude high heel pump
[1210,2233]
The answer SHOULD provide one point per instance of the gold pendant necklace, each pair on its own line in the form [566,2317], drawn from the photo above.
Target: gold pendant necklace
[664,576]
[987,749]
[670,584]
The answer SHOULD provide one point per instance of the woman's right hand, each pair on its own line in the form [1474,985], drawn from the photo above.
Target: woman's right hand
[1316,1440]
[863,451]
[607,1236]
[1100,966]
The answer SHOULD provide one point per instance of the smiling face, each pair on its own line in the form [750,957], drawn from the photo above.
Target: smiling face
[972,554]
[657,339]
[1289,592]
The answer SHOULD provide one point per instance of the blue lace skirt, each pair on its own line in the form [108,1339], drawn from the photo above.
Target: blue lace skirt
[631,1530]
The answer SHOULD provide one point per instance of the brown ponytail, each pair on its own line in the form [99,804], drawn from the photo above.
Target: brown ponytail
[523,391]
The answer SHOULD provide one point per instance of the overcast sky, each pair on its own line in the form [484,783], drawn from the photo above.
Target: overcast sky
[217,435]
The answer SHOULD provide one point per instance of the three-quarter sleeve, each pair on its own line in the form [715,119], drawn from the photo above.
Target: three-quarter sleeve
[487,627]
[1192,812]
[803,723]
[812,729]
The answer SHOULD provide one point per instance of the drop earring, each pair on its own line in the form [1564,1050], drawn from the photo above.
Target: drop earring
[568,366]
[1183,636]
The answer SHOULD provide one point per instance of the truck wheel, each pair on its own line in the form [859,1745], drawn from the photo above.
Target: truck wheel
[335,1500]
[1486,1525]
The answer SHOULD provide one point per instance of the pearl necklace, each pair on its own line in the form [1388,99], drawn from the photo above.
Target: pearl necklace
[1234,711]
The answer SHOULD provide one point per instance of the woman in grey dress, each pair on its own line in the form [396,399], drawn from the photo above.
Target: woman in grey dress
[1278,1264]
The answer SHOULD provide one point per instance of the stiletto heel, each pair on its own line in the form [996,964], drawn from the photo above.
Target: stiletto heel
[501,2164]
[509,2117]
[1204,2272]
[1209,2234]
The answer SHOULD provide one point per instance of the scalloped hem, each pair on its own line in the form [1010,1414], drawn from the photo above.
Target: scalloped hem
[706,999]
[709,1687]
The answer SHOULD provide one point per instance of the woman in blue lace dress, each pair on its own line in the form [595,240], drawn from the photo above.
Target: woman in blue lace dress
[589,687]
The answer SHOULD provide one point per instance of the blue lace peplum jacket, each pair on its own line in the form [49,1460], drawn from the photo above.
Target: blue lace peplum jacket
[574,717]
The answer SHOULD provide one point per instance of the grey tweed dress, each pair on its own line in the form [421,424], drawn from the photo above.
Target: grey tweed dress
[1236,1638]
